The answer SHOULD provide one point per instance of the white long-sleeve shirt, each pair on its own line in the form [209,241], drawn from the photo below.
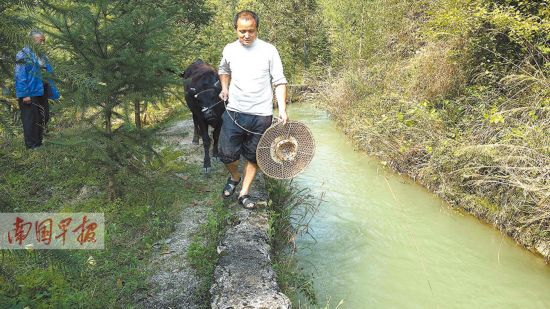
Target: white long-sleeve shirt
[254,71]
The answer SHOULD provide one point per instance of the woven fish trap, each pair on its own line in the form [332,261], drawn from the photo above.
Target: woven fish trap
[284,151]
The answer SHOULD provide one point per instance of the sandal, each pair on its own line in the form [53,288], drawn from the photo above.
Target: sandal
[230,186]
[246,202]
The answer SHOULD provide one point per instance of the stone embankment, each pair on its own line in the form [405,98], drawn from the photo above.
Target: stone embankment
[244,277]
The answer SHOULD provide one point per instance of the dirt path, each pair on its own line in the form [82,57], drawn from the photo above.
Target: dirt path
[174,281]
[243,278]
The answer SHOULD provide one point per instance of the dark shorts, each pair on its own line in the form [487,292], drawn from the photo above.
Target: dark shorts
[235,141]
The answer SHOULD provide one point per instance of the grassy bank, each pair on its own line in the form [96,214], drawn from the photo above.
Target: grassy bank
[290,210]
[456,95]
[68,174]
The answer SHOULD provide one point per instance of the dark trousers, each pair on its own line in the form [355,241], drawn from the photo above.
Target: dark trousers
[35,116]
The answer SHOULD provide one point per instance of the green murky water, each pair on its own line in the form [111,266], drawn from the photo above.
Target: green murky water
[383,241]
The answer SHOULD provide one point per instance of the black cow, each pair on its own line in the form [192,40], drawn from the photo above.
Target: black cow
[202,88]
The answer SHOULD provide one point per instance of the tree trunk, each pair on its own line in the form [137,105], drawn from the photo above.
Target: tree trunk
[137,114]
[108,123]
[111,187]
[362,33]
[111,181]
[306,63]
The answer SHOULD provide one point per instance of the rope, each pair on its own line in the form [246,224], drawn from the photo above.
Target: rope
[228,113]
[205,90]
[204,109]
[225,103]
[235,121]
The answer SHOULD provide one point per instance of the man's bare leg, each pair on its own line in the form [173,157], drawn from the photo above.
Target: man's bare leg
[233,169]
[249,172]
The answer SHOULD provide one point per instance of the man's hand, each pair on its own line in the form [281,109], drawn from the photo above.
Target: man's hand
[224,95]
[283,116]
[27,100]
[224,80]
[280,94]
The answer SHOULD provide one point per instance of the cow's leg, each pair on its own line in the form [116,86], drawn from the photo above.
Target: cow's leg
[203,127]
[216,135]
[196,131]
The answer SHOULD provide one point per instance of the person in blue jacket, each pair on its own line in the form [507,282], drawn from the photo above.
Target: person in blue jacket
[33,88]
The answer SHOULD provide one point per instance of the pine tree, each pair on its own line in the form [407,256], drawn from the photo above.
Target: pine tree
[114,55]
[14,27]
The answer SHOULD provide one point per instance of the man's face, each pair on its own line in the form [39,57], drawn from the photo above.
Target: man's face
[39,39]
[246,31]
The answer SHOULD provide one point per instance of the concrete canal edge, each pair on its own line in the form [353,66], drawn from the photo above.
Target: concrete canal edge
[244,276]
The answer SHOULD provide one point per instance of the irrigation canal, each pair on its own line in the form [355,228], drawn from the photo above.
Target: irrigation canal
[382,241]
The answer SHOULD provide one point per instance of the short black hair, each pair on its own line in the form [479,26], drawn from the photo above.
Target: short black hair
[246,13]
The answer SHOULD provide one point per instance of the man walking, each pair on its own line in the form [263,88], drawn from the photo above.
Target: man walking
[33,89]
[249,70]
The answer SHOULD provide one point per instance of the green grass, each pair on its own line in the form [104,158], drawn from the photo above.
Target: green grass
[202,253]
[290,210]
[50,179]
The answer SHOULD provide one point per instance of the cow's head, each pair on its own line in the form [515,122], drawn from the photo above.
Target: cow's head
[206,93]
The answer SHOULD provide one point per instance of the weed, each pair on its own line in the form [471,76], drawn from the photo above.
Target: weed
[202,253]
[291,210]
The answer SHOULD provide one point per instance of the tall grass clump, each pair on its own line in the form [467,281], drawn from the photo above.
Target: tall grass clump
[291,209]
[456,94]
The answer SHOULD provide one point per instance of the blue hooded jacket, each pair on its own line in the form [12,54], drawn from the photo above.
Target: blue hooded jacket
[28,76]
